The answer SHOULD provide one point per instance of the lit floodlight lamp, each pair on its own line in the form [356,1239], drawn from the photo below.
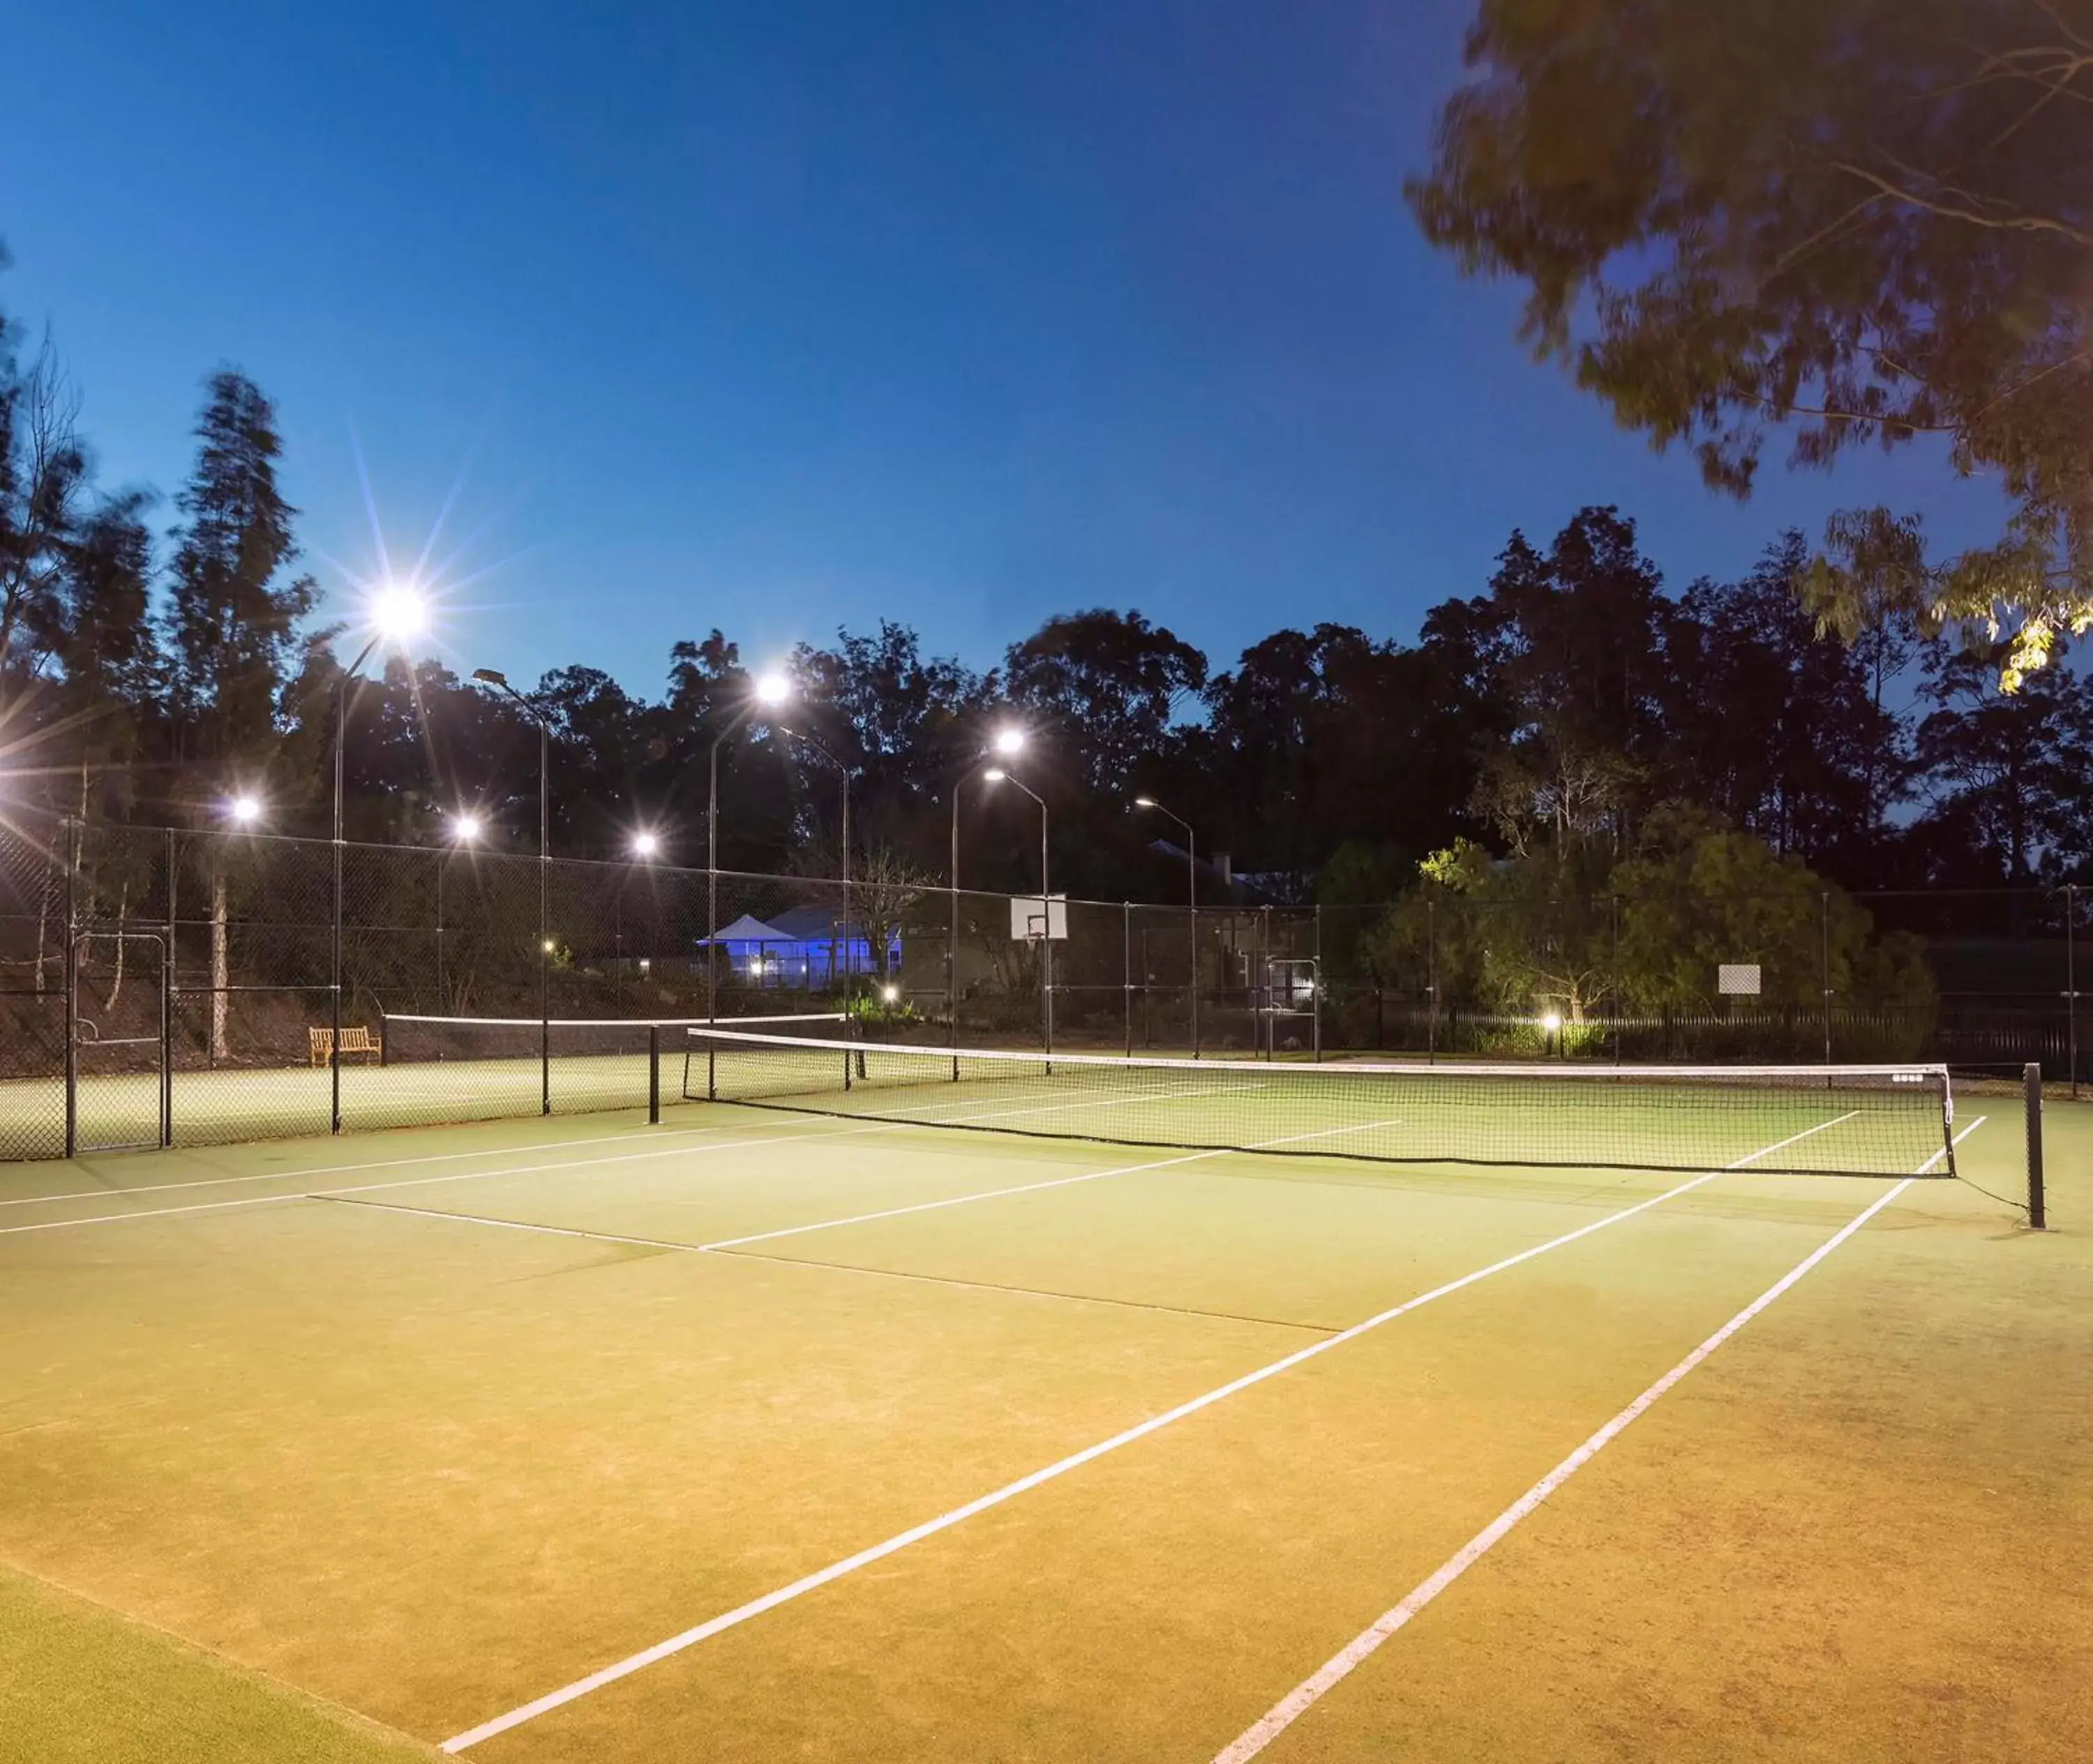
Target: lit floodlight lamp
[245,809]
[465,829]
[994,774]
[1010,741]
[1144,802]
[398,612]
[1553,1022]
[547,946]
[645,844]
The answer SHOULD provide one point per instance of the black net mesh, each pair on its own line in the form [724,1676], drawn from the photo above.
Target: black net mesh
[1844,1121]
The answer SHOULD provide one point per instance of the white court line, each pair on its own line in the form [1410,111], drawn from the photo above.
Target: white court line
[821,1577]
[813,1133]
[946,1110]
[1312,1690]
[813,1129]
[369,1163]
[1329,1133]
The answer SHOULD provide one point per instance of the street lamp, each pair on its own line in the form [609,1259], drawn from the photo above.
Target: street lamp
[1007,742]
[499,682]
[397,612]
[770,690]
[995,774]
[1192,881]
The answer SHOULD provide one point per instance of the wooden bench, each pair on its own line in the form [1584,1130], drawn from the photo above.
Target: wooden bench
[355,1039]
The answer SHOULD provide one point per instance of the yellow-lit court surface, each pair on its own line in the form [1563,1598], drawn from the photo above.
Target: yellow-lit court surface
[757,1435]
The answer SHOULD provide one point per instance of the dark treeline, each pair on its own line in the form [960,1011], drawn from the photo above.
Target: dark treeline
[155,661]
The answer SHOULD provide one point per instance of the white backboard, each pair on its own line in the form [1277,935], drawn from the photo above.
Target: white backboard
[1028,918]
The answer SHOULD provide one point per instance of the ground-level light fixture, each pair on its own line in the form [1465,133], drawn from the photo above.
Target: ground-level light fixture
[547,946]
[1551,1022]
[892,994]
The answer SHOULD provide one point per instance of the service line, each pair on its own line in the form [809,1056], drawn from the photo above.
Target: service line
[878,1552]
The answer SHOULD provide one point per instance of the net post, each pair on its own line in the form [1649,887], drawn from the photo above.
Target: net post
[166,1048]
[2031,1091]
[653,1074]
[712,1072]
[384,1036]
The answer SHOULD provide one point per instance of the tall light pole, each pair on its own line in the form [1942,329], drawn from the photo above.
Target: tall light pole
[771,689]
[843,772]
[995,774]
[499,682]
[1192,885]
[1007,742]
[397,613]
[465,829]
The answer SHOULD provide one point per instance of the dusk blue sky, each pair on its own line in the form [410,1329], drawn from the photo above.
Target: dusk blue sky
[777,317]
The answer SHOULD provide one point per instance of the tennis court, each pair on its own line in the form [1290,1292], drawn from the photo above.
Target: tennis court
[799,1424]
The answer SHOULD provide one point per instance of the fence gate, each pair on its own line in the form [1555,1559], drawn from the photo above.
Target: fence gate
[1292,1005]
[117,1035]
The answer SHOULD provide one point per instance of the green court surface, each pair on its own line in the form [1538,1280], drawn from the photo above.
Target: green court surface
[760,1434]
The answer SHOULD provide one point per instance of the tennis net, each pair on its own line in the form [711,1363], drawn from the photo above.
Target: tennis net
[489,1068]
[1859,1121]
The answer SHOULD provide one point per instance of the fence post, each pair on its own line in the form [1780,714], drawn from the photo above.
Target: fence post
[653,1074]
[1615,901]
[72,987]
[1316,990]
[1431,980]
[1126,970]
[1261,997]
[1826,900]
[167,1004]
[2071,983]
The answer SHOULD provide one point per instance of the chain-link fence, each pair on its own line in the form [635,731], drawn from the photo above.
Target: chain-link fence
[190,987]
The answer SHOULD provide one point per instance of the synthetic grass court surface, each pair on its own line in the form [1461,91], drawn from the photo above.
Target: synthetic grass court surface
[266,1460]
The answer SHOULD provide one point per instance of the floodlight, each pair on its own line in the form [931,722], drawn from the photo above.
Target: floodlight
[1009,740]
[1551,1022]
[491,677]
[547,946]
[1144,802]
[644,844]
[465,829]
[399,612]
[994,774]
[245,809]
